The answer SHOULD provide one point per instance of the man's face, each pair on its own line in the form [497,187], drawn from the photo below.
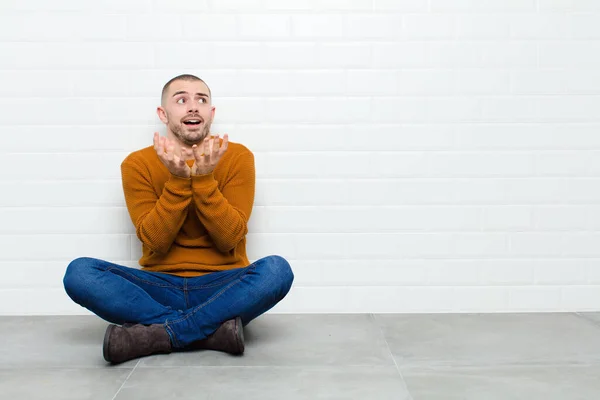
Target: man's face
[187,111]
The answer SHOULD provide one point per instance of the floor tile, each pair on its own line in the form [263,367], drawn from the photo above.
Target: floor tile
[61,383]
[296,340]
[53,341]
[264,383]
[503,383]
[591,316]
[318,356]
[490,339]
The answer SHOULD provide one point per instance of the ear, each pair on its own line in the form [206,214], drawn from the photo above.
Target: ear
[212,113]
[162,114]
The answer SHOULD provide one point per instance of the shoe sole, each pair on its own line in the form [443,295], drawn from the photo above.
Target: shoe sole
[105,351]
[240,334]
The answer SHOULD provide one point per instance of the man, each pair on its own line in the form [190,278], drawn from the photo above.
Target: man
[189,197]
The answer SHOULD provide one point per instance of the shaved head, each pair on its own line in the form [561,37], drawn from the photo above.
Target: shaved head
[184,77]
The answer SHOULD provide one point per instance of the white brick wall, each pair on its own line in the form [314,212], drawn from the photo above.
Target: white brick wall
[412,156]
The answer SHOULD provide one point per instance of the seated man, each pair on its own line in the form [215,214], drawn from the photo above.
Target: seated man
[189,197]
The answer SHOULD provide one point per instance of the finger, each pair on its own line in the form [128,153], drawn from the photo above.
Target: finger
[170,151]
[214,154]
[165,147]
[211,146]
[206,147]
[186,153]
[181,157]
[216,145]
[196,151]
[160,146]
[225,143]
[155,140]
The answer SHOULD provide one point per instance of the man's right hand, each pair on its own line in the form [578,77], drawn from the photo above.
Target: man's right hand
[165,150]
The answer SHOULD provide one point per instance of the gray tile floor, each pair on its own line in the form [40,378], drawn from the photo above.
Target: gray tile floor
[336,356]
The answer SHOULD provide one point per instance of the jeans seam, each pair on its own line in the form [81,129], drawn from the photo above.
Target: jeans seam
[185,293]
[243,271]
[172,335]
[142,280]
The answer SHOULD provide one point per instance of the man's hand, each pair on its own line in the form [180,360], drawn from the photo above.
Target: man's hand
[176,165]
[207,161]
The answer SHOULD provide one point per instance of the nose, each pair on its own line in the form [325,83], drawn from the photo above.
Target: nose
[193,107]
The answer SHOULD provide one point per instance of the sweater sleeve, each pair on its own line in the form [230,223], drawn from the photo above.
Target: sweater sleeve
[225,213]
[157,220]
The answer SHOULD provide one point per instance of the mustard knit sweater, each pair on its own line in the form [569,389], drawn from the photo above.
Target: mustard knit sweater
[190,226]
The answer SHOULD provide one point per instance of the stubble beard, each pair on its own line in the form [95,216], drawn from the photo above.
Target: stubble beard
[179,132]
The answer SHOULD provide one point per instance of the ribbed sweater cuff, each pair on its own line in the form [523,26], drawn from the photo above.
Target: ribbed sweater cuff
[180,185]
[203,180]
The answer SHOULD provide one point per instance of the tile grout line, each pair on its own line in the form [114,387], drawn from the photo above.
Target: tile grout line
[410,397]
[126,379]
[590,320]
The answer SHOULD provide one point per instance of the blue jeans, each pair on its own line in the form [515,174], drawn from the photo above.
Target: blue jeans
[189,308]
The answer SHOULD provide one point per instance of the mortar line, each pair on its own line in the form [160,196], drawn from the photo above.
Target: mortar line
[126,379]
[410,397]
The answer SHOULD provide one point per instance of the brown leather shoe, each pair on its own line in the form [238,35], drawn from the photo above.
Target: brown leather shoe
[229,338]
[125,343]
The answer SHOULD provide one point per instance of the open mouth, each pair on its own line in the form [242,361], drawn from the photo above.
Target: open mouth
[192,122]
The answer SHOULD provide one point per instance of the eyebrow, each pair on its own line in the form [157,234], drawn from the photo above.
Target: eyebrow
[184,92]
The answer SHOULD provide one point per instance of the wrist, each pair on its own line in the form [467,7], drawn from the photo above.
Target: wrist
[180,176]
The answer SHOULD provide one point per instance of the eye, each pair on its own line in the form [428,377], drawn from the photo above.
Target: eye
[180,100]
[202,100]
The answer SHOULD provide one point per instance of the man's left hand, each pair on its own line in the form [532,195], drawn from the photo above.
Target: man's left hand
[208,154]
